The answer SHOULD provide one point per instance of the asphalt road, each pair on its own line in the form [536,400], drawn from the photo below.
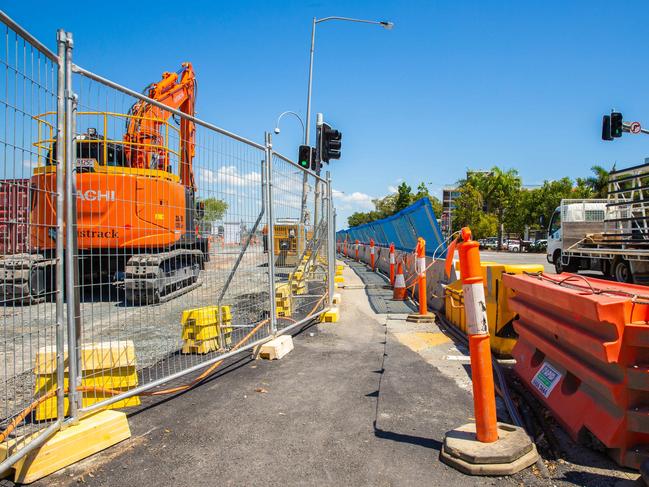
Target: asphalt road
[517,258]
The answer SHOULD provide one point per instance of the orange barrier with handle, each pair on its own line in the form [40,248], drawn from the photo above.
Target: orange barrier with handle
[372,254]
[484,399]
[583,351]
[392,261]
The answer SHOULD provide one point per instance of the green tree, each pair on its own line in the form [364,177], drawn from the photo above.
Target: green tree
[468,207]
[499,190]
[598,182]
[213,210]
[404,197]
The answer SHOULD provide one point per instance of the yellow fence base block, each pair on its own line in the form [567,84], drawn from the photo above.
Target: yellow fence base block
[276,348]
[336,298]
[339,279]
[331,316]
[200,346]
[202,328]
[104,365]
[91,435]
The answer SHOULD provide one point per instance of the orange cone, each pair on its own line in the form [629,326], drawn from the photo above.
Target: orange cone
[399,293]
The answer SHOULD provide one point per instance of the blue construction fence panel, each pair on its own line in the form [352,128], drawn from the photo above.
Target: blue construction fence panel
[402,229]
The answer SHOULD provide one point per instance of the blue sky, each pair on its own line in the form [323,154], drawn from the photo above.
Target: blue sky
[455,85]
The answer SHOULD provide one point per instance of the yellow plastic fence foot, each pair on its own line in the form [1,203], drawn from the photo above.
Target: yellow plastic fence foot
[276,348]
[336,298]
[91,435]
[339,279]
[331,316]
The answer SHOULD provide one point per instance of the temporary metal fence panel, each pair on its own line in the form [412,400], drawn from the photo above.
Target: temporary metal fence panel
[402,229]
[31,343]
[184,244]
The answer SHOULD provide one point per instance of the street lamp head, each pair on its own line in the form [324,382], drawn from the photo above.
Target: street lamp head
[277,130]
[387,25]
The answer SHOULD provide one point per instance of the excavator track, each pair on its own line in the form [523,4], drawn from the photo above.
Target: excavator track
[157,278]
[24,278]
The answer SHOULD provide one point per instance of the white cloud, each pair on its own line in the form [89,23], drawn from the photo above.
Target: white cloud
[229,176]
[355,201]
[392,189]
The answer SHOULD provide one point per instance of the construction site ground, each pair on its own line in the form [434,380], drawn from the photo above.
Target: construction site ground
[365,401]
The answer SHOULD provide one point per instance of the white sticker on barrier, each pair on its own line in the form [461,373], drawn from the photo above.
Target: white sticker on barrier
[421,265]
[371,250]
[476,309]
[546,378]
[392,259]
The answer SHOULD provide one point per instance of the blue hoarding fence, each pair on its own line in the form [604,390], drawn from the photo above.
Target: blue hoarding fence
[402,229]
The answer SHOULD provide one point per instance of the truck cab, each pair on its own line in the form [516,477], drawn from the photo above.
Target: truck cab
[571,222]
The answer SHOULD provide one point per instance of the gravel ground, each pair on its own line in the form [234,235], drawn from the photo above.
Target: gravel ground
[155,330]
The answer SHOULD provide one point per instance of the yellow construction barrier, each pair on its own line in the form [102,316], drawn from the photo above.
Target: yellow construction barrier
[283,300]
[204,328]
[107,365]
[499,316]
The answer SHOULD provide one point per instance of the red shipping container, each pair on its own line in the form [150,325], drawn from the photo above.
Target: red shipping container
[14,216]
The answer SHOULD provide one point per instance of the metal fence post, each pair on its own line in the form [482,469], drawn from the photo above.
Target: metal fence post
[60,233]
[331,240]
[71,274]
[270,235]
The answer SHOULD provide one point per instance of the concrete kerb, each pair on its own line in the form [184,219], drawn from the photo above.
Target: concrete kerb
[511,453]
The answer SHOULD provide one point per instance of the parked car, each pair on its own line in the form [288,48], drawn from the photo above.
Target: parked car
[513,245]
[540,245]
[490,243]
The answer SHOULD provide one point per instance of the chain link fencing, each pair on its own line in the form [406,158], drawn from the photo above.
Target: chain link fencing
[180,245]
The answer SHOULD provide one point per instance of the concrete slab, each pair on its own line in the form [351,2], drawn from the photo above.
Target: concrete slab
[276,348]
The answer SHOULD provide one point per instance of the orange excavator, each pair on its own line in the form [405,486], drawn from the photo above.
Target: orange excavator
[137,210]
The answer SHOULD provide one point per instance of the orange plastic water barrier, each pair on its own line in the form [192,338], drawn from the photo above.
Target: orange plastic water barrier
[583,350]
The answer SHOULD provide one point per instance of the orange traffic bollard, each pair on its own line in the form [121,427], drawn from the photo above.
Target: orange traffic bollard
[420,265]
[476,321]
[399,292]
[345,250]
[372,254]
[392,264]
[356,244]
[497,449]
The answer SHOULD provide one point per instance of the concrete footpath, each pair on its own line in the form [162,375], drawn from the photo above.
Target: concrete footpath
[365,401]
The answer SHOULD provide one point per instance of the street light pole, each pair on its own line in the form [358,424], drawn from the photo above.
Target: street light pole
[383,23]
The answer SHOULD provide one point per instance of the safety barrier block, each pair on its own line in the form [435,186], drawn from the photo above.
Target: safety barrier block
[277,348]
[203,328]
[335,299]
[283,300]
[339,279]
[330,316]
[105,365]
[583,350]
[76,442]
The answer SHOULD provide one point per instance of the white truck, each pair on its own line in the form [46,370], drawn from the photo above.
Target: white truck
[608,235]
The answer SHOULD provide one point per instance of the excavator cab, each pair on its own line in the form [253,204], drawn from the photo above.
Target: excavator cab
[92,149]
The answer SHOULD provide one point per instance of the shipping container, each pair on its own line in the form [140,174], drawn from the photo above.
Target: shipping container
[14,216]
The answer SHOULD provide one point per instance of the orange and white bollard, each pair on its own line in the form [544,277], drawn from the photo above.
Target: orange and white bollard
[356,245]
[420,265]
[392,264]
[478,330]
[345,249]
[509,445]
[399,292]
[372,254]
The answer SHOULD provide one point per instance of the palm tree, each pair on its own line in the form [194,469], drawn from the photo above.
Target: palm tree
[599,181]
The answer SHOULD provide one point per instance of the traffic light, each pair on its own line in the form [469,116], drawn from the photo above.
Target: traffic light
[331,143]
[305,157]
[315,163]
[616,124]
[606,128]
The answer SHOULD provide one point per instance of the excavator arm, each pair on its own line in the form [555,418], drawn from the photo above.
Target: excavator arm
[147,141]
